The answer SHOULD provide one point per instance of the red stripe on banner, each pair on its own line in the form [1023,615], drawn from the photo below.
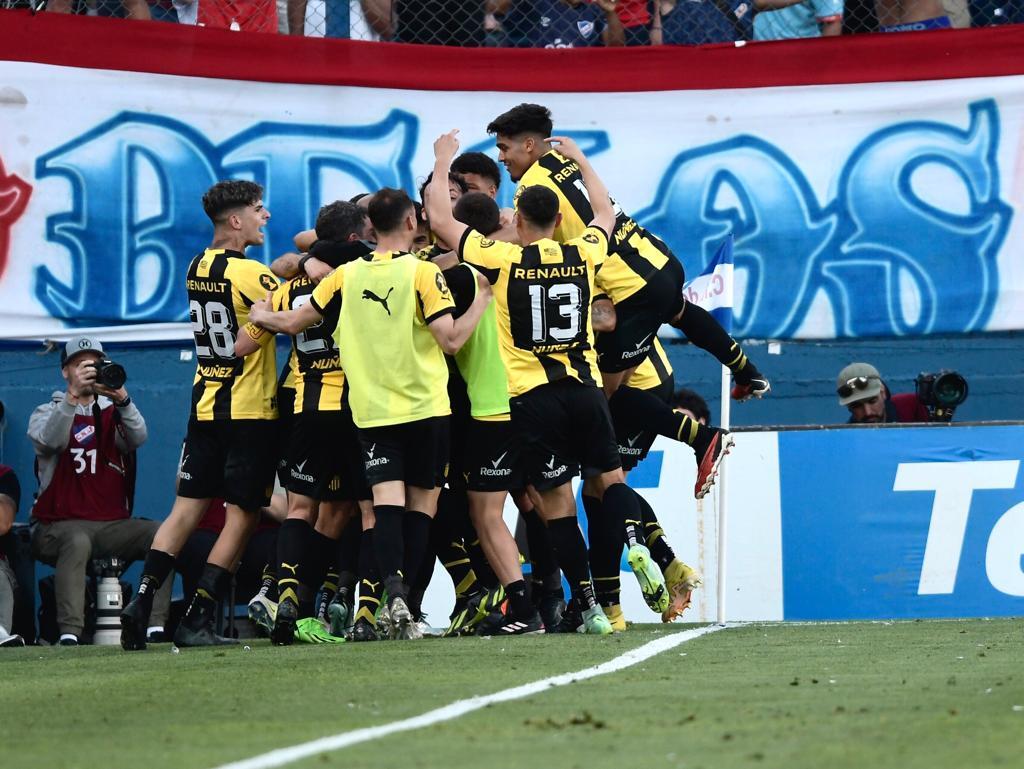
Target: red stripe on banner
[174,49]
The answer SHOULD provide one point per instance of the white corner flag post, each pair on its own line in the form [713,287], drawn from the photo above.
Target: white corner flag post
[713,291]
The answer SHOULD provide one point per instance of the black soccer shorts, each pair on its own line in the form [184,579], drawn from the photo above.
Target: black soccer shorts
[414,452]
[324,457]
[638,318]
[562,426]
[632,435]
[491,457]
[231,459]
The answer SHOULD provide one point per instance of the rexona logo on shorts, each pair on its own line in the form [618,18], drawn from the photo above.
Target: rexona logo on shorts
[552,471]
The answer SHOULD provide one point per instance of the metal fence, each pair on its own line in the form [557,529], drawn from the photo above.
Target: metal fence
[555,23]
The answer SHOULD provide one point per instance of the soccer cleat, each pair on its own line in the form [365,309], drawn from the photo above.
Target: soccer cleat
[475,609]
[283,632]
[648,575]
[340,612]
[504,624]
[571,621]
[616,617]
[595,622]
[262,612]
[707,469]
[403,626]
[551,608]
[309,630]
[185,636]
[363,630]
[134,622]
[682,580]
[757,387]
[384,624]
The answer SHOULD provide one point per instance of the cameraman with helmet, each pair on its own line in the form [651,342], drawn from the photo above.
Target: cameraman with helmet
[860,388]
[85,440]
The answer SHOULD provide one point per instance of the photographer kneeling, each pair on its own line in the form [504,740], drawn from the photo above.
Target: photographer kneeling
[85,440]
[860,388]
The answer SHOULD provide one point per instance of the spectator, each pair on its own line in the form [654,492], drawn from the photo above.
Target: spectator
[85,440]
[695,22]
[10,499]
[785,19]
[693,405]
[132,9]
[439,22]
[635,17]
[860,388]
[911,15]
[571,23]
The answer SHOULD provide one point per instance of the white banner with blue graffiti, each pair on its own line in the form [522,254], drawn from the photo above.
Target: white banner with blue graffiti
[858,210]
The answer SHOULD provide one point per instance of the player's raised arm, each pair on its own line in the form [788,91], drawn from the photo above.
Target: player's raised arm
[438,203]
[600,201]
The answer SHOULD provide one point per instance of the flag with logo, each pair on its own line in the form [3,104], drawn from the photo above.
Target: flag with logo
[712,289]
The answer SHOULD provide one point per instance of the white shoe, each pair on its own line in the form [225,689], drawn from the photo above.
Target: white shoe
[263,612]
[403,626]
[10,639]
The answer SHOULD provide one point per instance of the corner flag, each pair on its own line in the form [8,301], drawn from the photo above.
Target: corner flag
[713,288]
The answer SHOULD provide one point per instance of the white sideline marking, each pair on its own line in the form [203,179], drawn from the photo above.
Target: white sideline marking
[283,756]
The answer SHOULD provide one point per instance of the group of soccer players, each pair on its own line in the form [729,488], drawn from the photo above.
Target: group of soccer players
[444,356]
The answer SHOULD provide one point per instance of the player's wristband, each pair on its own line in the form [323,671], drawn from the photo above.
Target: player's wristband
[302,263]
[125,403]
[253,331]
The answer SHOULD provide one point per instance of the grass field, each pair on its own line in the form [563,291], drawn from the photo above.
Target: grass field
[908,694]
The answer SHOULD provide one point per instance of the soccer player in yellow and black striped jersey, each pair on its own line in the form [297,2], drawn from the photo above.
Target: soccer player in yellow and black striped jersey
[395,323]
[229,448]
[543,291]
[325,476]
[642,277]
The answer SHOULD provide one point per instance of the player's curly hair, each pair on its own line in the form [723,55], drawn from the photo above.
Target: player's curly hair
[388,208]
[538,205]
[229,195]
[478,211]
[338,220]
[454,178]
[523,119]
[478,163]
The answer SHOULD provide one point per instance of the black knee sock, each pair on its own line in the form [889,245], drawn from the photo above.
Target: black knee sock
[322,562]
[347,554]
[294,546]
[622,506]
[542,554]
[661,551]
[485,576]
[703,330]
[268,579]
[156,569]
[519,606]
[658,416]
[604,550]
[388,540]
[213,584]
[370,585]
[571,551]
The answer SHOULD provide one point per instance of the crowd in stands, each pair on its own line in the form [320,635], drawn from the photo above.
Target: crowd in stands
[557,23]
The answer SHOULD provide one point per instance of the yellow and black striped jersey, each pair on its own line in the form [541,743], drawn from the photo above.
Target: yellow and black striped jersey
[542,295]
[316,367]
[395,370]
[634,254]
[222,285]
[654,371]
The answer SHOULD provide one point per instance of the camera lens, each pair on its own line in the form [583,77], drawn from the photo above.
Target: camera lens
[950,389]
[112,375]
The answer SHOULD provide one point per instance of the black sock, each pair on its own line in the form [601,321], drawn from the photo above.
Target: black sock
[388,539]
[156,569]
[703,330]
[542,553]
[416,530]
[370,585]
[268,579]
[519,606]
[485,576]
[661,551]
[622,508]
[604,551]
[213,584]
[571,551]
[294,546]
[328,589]
[648,409]
[347,554]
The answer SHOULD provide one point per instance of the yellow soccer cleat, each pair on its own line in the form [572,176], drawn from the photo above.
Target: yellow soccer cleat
[681,581]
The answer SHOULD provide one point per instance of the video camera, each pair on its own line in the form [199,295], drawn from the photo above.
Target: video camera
[109,374]
[941,393]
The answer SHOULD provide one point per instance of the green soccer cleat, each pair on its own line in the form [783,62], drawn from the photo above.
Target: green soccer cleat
[341,612]
[309,630]
[595,623]
[647,573]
